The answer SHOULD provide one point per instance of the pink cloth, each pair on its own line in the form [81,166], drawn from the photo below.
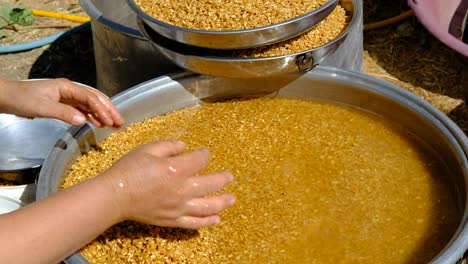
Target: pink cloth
[445,19]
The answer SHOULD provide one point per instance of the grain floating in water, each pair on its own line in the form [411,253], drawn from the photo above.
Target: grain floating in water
[316,183]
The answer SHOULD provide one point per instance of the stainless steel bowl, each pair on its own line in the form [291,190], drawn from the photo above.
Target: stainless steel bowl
[216,63]
[25,144]
[237,39]
[178,91]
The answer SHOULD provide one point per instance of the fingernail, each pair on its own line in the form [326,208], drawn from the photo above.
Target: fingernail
[78,120]
[103,101]
[115,128]
[232,200]
[180,143]
[105,118]
[230,177]
[204,150]
[110,122]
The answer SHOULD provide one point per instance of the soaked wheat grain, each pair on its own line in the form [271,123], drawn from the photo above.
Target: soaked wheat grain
[315,182]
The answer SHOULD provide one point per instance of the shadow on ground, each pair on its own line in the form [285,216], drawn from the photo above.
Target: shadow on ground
[71,56]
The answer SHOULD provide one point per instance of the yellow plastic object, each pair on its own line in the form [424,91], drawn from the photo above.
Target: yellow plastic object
[44,13]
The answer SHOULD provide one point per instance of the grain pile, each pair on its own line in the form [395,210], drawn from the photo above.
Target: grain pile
[324,32]
[226,15]
[315,182]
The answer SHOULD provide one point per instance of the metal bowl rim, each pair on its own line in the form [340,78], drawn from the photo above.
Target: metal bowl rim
[353,23]
[145,16]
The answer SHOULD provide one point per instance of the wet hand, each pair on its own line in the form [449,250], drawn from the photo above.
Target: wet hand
[60,99]
[156,184]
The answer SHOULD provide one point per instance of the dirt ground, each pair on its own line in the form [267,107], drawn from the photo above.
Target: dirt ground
[64,59]
[403,53]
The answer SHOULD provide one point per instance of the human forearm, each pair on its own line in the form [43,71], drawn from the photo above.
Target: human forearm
[155,184]
[61,224]
[5,96]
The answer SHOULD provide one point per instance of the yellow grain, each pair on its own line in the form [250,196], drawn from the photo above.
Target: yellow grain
[316,183]
[226,15]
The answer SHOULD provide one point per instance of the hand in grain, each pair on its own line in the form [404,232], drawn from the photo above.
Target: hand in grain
[58,98]
[156,184]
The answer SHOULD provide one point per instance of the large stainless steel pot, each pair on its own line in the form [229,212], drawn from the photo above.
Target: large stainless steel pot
[124,57]
[177,91]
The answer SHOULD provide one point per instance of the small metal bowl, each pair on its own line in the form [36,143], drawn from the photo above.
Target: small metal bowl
[25,143]
[217,63]
[237,39]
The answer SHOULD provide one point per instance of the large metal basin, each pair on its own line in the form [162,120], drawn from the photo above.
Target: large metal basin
[169,93]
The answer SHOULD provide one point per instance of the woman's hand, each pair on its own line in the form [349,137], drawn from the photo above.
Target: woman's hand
[156,184]
[58,98]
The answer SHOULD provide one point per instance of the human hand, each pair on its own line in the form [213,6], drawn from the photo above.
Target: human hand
[156,184]
[58,98]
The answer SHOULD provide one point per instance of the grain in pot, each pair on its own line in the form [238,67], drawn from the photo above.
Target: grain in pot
[324,32]
[315,183]
[226,15]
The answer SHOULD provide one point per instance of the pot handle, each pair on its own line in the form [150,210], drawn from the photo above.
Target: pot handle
[305,62]
[308,60]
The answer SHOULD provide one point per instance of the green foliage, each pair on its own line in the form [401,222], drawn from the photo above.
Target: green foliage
[11,14]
